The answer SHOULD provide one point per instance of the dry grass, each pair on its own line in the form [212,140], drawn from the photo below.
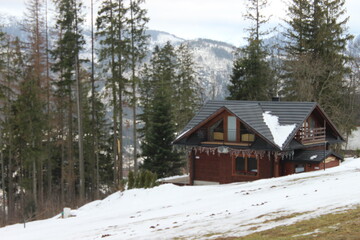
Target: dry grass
[344,226]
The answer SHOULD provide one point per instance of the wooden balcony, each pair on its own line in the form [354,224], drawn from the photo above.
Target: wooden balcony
[309,136]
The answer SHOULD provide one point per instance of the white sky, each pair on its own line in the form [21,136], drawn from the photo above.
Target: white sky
[214,19]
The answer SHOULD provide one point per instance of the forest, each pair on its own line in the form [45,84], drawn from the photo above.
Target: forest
[67,110]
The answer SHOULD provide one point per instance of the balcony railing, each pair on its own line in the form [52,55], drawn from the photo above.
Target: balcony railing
[311,135]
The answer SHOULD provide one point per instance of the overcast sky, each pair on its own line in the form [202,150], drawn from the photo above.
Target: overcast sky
[214,19]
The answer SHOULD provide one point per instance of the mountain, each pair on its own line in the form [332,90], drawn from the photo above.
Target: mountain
[213,61]
[207,212]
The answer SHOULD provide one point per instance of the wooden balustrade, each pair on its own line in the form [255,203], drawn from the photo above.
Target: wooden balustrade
[311,135]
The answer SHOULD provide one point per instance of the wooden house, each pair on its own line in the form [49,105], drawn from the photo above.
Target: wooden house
[233,141]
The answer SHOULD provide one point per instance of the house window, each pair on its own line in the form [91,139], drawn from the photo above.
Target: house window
[217,131]
[299,168]
[246,166]
[240,164]
[246,135]
[231,128]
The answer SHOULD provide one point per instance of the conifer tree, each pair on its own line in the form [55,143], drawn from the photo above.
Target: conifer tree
[159,155]
[252,77]
[111,22]
[158,152]
[66,55]
[34,26]
[13,73]
[188,89]
[317,65]
[138,42]
[2,96]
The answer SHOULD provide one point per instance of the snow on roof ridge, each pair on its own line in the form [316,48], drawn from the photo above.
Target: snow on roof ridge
[279,132]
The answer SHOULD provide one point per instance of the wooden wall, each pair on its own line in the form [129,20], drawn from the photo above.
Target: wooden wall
[289,167]
[220,168]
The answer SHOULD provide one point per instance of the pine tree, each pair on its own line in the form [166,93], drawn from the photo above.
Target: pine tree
[159,155]
[66,55]
[252,77]
[34,26]
[188,89]
[13,73]
[138,42]
[28,120]
[317,65]
[158,152]
[2,96]
[111,22]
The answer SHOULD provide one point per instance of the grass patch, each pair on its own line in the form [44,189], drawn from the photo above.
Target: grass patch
[344,225]
[285,217]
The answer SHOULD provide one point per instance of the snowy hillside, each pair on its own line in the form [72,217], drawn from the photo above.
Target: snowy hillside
[213,61]
[202,212]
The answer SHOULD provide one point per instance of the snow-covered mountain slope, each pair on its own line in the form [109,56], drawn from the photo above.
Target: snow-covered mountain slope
[203,212]
[213,61]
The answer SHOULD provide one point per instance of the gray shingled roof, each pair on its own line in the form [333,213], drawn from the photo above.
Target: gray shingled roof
[250,112]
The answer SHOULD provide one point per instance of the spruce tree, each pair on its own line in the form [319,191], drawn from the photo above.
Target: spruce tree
[188,91]
[28,120]
[67,64]
[158,117]
[111,25]
[34,26]
[158,152]
[252,77]
[138,47]
[316,66]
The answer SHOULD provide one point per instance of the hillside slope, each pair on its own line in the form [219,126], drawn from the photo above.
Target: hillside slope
[202,212]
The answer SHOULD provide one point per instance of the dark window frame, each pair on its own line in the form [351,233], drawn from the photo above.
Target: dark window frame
[247,166]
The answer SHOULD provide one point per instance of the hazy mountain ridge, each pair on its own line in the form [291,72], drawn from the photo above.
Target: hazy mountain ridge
[213,61]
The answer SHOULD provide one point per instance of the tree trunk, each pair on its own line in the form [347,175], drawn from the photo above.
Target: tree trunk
[94,179]
[4,217]
[70,174]
[48,154]
[80,125]
[134,100]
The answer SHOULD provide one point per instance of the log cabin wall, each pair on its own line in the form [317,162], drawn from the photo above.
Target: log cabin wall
[289,167]
[220,168]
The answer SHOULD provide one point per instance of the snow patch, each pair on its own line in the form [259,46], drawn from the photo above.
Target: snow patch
[200,212]
[173,177]
[279,132]
[313,157]
[182,134]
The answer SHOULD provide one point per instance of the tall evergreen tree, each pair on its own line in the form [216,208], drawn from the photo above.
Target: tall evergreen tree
[138,42]
[2,96]
[252,77]
[158,117]
[28,120]
[317,65]
[36,81]
[12,74]
[66,55]
[158,152]
[188,91]
[111,22]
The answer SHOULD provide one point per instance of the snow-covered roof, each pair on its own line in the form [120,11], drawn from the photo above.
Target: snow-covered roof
[279,132]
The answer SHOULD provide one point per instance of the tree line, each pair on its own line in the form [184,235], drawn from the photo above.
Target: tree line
[65,109]
[312,64]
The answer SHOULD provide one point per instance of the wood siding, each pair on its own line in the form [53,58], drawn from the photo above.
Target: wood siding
[289,167]
[220,168]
